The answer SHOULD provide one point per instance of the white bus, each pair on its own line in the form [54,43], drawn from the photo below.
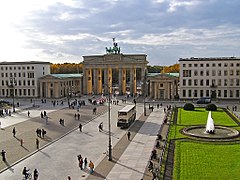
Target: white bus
[126,116]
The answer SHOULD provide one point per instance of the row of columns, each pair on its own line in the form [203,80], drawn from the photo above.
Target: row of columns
[93,80]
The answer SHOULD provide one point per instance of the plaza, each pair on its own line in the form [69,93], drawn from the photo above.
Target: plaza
[57,156]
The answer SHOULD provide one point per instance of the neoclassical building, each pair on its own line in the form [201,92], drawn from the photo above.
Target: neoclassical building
[21,78]
[163,85]
[60,85]
[210,77]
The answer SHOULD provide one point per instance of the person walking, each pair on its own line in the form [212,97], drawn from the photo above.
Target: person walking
[129,135]
[28,114]
[85,163]
[80,127]
[35,174]
[79,116]
[37,143]
[0,125]
[14,132]
[81,163]
[3,153]
[91,166]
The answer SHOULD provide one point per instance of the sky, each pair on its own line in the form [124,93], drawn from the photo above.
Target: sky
[60,31]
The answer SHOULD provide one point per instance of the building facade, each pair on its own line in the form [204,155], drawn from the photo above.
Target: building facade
[60,85]
[20,79]
[163,86]
[218,78]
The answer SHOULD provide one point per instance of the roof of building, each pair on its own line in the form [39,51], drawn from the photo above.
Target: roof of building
[166,74]
[209,58]
[67,75]
[24,63]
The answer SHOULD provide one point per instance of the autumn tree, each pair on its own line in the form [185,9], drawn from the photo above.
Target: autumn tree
[66,68]
[171,69]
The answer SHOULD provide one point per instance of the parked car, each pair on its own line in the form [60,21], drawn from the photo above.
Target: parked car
[204,100]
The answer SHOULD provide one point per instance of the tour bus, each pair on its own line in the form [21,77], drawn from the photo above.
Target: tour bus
[126,116]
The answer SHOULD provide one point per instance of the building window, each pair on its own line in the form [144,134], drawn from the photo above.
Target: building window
[161,85]
[19,68]
[29,84]
[184,82]
[24,92]
[33,92]
[231,64]
[201,93]
[6,68]
[231,82]
[207,65]
[24,83]
[184,65]
[195,82]
[189,93]
[213,65]
[207,92]
[237,82]
[219,64]
[207,73]
[201,73]
[219,93]
[19,74]
[195,73]
[32,67]
[219,72]
[189,82]
[187,73]
[225,82]
[238,72]
[207,82]
[2,75]
[6,74]
[225,93]
[33,83]
[213,73]
[19,83]
[231,72]
[195,65]
[189,65]
[10,68]
[237,93]
[29,92]
[3,92]
[238,64]
[184,93]
[219,82]
[2,83]
[201,83]
[24,74]
[195,93]
[201,65]
[231,93]
[225,65]
[225,73]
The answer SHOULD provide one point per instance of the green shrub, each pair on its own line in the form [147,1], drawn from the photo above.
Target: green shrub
[188,107]
[211,107]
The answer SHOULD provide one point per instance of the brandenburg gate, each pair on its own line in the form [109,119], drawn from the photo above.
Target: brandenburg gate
[98,71]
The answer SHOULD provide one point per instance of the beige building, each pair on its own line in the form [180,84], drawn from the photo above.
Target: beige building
[60,85]
[20,78]
[98,72]
[210,77]
[163,86]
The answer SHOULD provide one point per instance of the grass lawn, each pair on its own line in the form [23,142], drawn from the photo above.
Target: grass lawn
[204,160]
[196,160]
[199,116]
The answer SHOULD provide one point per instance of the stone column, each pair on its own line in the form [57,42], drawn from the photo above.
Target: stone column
[89,81]
[95,81]
[120,81]
[110,80]
[124,80]
[85,81]
[105,81]
[99,81]
[133,81]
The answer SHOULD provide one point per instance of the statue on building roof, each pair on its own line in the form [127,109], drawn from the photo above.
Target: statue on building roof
[113,50]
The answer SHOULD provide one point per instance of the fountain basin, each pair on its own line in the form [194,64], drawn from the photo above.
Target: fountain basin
[220,132]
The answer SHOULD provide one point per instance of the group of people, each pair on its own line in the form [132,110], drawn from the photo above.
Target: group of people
[41,132]
[27,174]
[77,116]
[84,162]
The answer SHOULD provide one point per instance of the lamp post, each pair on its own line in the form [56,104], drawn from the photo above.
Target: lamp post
[144,106]
[109,125]
[109,128]
[12,84]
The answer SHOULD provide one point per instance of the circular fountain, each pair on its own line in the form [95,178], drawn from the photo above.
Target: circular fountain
[210,131]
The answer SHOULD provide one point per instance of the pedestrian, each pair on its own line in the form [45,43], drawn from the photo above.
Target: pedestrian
[91,166]
[75,116]
[3,153]
[14,132]
[81,163]
[85,163]
[80,127]
[37,143]
[28,114]
[41,115]
[79,116]
[21,142]
[129,135]
[68,178]
[35,174]
[100,127]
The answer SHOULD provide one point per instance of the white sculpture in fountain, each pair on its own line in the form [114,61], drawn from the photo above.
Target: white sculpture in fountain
[210,124]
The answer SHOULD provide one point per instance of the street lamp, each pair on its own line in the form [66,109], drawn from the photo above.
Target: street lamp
[109,125]
[12,85]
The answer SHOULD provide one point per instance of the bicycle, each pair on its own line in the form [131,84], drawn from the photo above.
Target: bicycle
[29,176]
